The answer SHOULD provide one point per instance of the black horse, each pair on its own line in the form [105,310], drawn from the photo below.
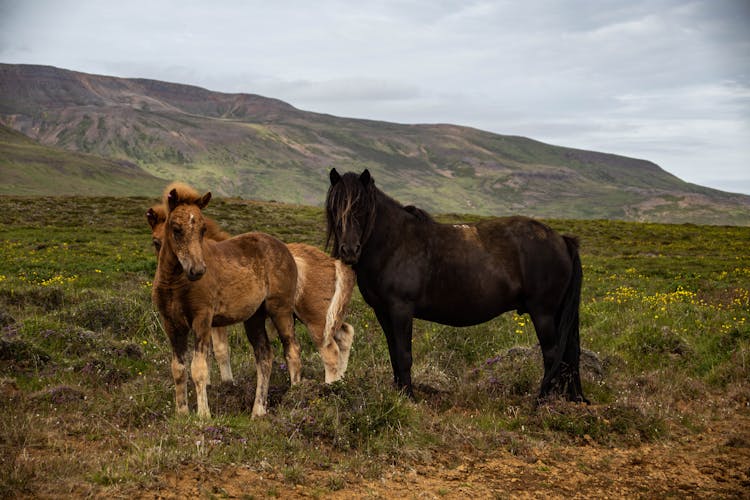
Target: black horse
[409,266]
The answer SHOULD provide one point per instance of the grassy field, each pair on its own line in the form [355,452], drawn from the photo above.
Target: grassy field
[86,394]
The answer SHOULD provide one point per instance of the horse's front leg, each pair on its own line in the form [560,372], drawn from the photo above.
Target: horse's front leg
[385,323]
[199,365]
[177,336]
[399,321]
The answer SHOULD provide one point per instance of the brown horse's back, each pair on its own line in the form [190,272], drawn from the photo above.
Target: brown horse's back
[258,260]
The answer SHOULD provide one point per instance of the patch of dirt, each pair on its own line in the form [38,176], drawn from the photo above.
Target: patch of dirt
[712,464]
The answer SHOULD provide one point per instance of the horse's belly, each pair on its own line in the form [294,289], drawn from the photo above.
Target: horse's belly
[237,302]
[461,315]
[225,316]
[463,301]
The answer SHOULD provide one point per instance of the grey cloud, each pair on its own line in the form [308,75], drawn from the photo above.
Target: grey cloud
[667,80]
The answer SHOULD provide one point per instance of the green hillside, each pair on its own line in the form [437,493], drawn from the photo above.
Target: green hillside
[255,147]
[28,168]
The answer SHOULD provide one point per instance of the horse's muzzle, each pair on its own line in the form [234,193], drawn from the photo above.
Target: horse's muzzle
[195,273]
[349,254]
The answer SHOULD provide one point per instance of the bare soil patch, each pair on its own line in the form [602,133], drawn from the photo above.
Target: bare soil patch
[714,463]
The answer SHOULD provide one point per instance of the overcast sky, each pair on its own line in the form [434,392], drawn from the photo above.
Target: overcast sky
[663,80]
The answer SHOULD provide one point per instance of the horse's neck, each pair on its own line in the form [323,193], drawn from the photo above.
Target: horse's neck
[391,220]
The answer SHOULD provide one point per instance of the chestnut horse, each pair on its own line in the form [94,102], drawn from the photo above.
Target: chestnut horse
[157,218]
[201,284]
[324,289]
[409,266]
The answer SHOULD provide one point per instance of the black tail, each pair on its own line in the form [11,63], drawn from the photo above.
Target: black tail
[564,377]
[569,326]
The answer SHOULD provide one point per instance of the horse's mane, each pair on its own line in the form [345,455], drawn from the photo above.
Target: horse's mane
[158,213]
[419,213]
[213,231]
[342,198]
[350,194]
[185,194]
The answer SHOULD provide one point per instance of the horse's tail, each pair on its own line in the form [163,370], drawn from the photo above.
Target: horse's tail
[568,326]
[342,294]
[301,279]
[564,374]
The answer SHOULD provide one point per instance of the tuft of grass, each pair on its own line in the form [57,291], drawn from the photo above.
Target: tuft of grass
[360,414]
[19,355]
[608,425]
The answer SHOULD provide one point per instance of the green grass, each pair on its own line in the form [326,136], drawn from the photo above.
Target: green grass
[87,395]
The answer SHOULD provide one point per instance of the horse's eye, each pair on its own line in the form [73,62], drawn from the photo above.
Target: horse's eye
[177,231]
[157,244]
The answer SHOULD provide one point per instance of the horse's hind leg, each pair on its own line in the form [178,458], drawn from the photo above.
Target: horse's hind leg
[571,372]
[221,351]
[327,348]
[255,329]
[344,338]
[284,323]
[546,332]
[561,353]
[330,355]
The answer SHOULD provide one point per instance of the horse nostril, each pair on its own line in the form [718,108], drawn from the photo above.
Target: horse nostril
[196,274]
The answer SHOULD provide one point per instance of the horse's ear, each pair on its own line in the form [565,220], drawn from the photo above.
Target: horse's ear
[204,200]
[152,218]
[172,199]
[365,178]
[335,177]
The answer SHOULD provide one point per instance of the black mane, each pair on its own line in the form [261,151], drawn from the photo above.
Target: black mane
[349,197]
[419,213]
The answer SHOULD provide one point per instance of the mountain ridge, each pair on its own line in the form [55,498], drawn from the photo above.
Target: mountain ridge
[257,147]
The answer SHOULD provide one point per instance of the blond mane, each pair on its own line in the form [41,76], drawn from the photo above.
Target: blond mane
[160,212]
[185,193]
